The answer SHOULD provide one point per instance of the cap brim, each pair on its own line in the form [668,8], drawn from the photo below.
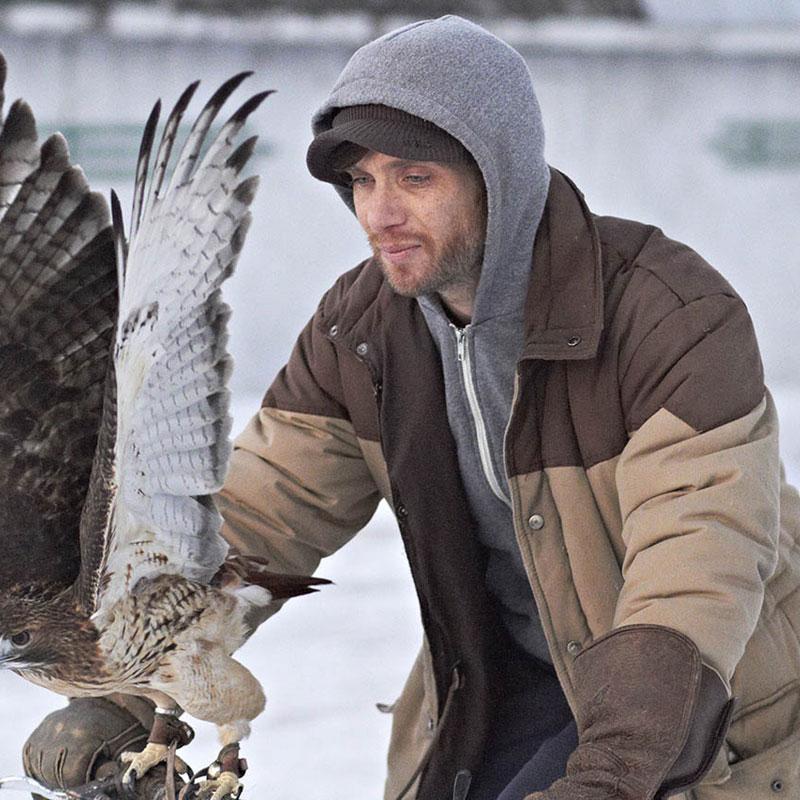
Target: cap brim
[321,156]
[382,136]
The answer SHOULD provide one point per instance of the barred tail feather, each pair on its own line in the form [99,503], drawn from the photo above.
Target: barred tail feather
[239,570]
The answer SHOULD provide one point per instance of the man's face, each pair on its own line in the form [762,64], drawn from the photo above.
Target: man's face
[426,222]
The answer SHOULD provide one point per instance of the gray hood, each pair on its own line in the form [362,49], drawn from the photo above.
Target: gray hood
[474,86]
[478,89]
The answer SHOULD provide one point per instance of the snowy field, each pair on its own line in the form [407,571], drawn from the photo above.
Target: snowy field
[325,661]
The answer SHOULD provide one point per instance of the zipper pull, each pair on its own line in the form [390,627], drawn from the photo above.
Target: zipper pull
[461,342]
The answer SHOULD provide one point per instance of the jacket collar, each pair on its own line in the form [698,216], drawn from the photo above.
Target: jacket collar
[564,302]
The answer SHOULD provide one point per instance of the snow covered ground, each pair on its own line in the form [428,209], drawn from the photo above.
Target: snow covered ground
[325,661]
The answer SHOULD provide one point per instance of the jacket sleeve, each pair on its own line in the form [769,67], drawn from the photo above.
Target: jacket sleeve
[699,480]
[298,487]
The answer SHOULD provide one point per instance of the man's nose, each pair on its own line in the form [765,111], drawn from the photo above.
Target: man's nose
[384,209]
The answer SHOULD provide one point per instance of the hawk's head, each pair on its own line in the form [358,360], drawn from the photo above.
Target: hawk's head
[41,630]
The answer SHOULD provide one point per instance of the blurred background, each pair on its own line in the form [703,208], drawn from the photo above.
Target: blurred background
[674,112]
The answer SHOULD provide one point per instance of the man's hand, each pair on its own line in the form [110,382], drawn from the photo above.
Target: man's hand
[651,718]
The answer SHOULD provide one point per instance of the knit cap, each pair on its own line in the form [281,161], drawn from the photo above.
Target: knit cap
[356,129]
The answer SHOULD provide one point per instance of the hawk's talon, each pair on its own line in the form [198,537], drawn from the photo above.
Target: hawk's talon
[215,786]
[129,776]
[141,763]
[225,786]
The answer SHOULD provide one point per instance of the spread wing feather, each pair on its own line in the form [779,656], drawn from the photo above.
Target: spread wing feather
[58,301]
[20,156]
[165,149]
[164,447]
[194,142]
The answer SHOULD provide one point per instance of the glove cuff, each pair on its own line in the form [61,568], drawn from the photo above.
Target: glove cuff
[651,716]
[709,725]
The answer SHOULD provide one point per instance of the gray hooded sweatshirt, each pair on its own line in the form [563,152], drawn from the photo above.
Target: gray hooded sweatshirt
[477,88]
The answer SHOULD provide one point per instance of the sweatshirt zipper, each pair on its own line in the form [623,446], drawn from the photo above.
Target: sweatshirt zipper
[465,363]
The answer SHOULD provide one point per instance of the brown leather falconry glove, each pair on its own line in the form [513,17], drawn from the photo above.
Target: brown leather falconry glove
[81,742]
[651,718]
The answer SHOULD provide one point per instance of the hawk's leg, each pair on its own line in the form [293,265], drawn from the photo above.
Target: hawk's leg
[211,685]
[223,775]
[167,730]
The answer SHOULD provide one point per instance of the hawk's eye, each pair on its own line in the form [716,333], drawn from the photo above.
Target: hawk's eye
[21,639]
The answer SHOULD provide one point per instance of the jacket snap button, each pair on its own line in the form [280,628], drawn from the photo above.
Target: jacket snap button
[573,648]
[362,349]
[401,511]
[536,522]
[776,785]
[333,330]
[573,341]
[431,724]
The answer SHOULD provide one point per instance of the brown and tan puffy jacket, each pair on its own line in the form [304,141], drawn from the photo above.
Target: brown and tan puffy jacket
[643,466]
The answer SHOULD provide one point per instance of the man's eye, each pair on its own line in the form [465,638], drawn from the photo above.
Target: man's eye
[359,180]
[417,179]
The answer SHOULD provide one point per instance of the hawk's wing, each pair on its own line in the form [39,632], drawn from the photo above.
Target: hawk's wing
[164,441]
[58,301]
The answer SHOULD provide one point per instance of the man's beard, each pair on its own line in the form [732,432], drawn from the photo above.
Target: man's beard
[456,267]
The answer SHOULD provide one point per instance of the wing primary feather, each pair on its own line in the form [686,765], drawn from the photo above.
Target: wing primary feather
[249,106]
[223,141]
[142,165]
[246,190]
[235,123]
[241,155]
[55,152]
[19,151]
[194,142]
[167,142]
[120,245]
[19,124]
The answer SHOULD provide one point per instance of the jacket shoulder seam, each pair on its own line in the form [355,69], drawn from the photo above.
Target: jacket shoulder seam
[684,304]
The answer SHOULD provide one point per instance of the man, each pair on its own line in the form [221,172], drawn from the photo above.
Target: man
[567,414]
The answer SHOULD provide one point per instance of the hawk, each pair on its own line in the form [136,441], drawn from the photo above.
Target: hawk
[114,427]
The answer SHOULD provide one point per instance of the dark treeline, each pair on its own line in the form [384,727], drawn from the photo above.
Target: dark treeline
[485,8]
[528,9]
